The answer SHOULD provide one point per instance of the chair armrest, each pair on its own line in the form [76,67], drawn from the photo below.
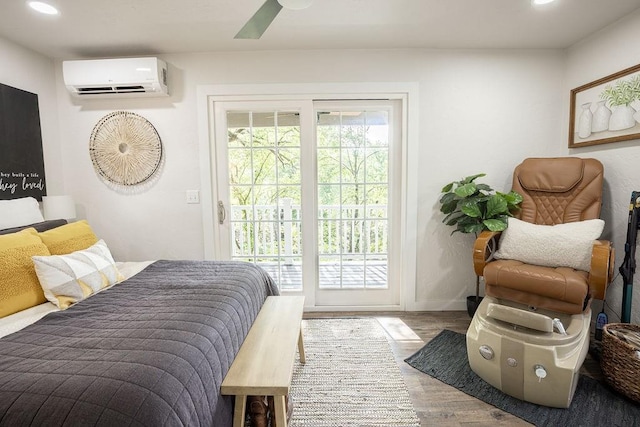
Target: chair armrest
[602,265]
[483,250]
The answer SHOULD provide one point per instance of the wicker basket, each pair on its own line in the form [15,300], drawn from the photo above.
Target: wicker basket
[620,363]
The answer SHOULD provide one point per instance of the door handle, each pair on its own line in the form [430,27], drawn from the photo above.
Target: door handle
[222,213]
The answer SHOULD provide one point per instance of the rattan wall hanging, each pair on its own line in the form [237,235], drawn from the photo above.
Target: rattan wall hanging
[125,149]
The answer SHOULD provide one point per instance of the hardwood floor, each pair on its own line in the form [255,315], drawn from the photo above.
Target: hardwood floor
[436,403]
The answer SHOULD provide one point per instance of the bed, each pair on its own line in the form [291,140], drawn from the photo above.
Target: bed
[151,350]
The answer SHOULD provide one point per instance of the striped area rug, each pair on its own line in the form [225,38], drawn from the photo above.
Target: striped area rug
[350,379]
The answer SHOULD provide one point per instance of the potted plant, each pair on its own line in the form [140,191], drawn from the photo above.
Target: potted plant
[472,207]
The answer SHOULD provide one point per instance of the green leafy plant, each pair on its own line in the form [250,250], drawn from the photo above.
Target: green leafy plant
[624,92]
[472,207]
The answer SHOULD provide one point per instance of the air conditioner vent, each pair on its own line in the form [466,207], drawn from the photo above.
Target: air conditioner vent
[129,89]
[119,77]
[94,89]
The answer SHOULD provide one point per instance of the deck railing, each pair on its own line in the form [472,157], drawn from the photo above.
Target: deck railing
[272,231]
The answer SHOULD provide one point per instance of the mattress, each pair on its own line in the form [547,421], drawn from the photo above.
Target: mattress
[152,350]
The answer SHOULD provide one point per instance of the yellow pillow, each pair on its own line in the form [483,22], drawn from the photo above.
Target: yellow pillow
[19,286]
[68,238]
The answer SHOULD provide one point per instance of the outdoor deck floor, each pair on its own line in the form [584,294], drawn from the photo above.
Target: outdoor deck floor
[353,275]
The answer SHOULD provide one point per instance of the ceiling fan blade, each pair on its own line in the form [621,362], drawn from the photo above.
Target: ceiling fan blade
[257,25]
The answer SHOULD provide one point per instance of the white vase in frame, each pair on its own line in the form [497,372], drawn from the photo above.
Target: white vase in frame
[601,117]
[622,118]
[584,121]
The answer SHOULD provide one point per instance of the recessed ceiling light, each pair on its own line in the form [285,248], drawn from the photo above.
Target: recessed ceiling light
[42,7]
[538,2]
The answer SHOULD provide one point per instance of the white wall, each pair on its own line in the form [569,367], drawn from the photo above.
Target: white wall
[24,69]
[612,49]
[480,111]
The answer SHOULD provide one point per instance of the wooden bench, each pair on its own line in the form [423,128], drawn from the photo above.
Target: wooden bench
[264,364]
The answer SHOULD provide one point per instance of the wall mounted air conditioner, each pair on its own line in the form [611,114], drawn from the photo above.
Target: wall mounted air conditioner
[116,78]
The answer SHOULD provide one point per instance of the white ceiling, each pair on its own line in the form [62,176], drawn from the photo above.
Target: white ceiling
[102,28]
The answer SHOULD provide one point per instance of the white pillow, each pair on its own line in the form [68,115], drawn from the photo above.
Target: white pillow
[19,212]
[67,279]
[561,245]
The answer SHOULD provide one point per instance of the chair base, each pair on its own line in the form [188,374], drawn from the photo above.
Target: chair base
[522,359]
[472,304]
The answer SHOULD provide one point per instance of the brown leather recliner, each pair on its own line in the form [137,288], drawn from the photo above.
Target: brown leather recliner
[555,191]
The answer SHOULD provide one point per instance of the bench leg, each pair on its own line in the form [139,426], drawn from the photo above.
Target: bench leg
[301,348]
[239,411]
[281,411]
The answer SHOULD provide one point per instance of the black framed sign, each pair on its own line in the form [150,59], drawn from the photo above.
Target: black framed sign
[21,158]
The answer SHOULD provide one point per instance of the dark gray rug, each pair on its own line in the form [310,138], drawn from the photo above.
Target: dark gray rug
[594,403]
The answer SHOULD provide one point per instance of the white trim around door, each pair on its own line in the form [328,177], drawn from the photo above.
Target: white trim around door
[405,93]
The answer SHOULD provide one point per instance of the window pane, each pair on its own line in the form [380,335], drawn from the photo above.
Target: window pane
[329,165]
[353,129]
[288,129]
[377,129]
[264,166]
[266,196]
[238,129]
[376,274]
[353,272]
[328,129]
[240,166]
[329,236]
[377,233]
[330,272]
[353,165]
[243,236]
[328,198]
[291,273]
[289,166]
[377,165]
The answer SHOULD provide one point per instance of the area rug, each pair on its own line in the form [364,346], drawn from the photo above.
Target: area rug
[594,403]
[350,379]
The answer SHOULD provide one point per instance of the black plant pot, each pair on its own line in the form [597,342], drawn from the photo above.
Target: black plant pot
[472,304]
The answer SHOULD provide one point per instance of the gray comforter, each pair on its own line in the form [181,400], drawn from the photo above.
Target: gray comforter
[151,351]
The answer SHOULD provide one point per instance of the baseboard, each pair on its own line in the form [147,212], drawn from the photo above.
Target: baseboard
[437,305]
[352,308]
[444,305]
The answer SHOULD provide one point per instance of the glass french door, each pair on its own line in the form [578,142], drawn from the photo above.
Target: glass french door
[355,159]
[260,187]
[304,191]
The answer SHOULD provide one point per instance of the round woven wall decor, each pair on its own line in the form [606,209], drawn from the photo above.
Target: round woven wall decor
[125,148]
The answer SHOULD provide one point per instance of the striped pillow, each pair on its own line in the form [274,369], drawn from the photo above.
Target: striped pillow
[68,279]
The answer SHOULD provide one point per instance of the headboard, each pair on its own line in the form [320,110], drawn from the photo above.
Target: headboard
[39,226]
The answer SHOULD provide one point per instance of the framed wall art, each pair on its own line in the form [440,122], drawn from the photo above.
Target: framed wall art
[606,110]
[21,155]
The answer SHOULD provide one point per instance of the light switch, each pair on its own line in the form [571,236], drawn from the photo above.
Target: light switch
[193,196]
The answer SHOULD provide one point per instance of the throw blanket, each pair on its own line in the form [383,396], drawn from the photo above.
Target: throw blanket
[152,350]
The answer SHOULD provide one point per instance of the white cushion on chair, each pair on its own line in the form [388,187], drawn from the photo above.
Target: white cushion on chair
[561,245]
